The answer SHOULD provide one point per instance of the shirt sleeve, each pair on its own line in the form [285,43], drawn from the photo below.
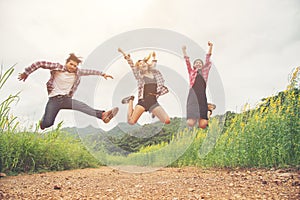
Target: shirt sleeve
[87,72]
[206,67]
[162,89]
[188,63]
[44,65]
[135,71]
[207,59]
[208,63]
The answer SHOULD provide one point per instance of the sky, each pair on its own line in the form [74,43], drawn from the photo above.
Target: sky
[256,46]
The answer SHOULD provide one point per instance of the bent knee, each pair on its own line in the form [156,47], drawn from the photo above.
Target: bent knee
[167,121]
[131,121]
[203,124]
[191,122]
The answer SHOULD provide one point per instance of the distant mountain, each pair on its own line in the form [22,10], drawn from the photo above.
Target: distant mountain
[89,130]
[125,138]
[118,131]
[127,127]
[123,128]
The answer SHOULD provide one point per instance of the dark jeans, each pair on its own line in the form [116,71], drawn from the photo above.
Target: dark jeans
[63,102]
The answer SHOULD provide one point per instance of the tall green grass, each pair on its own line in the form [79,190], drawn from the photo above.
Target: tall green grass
[36,152]
[266,136]
[7,121]
[31,151]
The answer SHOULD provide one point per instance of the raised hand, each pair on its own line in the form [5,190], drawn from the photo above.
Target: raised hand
[153,55]
[184,50]
[122,52]
[22,76]
[107,76]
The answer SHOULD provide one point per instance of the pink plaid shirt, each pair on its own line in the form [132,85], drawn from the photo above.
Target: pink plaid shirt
[193,72]
[53,67]
[161,89]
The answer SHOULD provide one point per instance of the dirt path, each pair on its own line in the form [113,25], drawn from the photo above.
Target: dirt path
[166,183]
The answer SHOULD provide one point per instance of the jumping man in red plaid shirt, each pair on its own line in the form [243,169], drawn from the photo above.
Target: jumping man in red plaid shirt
[197,106]
[150,87]
[63,83]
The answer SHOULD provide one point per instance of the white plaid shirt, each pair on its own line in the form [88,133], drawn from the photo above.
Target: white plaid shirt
[53,67]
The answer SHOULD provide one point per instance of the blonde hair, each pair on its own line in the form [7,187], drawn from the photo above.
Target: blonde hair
[146,59]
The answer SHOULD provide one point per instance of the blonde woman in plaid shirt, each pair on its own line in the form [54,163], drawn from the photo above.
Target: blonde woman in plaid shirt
[61,86]
[150,87]
[197,107]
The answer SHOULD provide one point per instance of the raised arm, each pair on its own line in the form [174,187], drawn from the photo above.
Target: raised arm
[87,72]
[154,61]
[186,58]
[184,51]
[122,52]
[208,55]
[127,57]
[208,63]
[210,45]
[134,69]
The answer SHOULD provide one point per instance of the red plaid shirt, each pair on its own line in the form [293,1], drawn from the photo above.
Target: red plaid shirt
[53,67]
[161,89]
[193,72]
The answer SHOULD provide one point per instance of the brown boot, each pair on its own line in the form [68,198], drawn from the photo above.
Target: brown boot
[108,115]
[127,99]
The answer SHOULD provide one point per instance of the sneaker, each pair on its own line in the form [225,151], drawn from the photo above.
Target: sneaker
[211,107]
[108,115]
[40,124]
[127,99]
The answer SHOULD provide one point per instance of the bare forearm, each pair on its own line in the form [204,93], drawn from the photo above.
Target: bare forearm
[210,45]
[127,57]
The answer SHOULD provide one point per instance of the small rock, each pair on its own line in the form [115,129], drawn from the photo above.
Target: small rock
[286,175]
[296,183]
[277,182]
[57,187]
[191,189]
[264,182]
[1,195]
[2,175]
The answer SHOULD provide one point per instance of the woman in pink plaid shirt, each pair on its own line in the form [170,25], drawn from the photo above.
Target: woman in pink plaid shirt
[150,87]
[197,107]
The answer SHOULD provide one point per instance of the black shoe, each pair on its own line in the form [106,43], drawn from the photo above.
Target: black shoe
[127,99]
[40,124]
